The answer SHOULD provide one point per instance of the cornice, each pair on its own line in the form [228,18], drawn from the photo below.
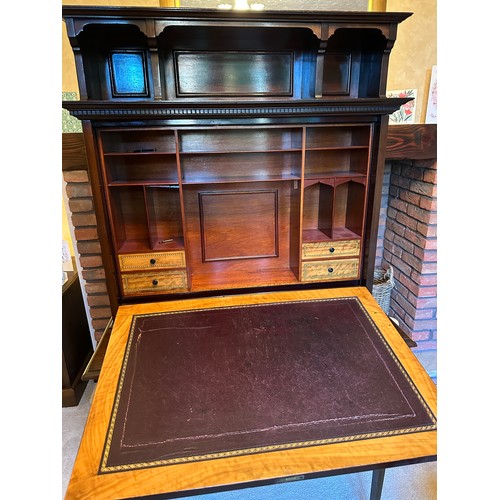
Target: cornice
[157,19]
[119,12]
[105,110]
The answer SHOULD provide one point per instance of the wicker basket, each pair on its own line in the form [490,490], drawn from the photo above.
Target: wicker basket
[383,283]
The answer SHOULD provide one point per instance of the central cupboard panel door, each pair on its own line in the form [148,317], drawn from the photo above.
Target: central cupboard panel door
[239,224]
[240,234]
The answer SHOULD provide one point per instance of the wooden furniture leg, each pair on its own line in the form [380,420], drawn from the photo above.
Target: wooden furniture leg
[377,484]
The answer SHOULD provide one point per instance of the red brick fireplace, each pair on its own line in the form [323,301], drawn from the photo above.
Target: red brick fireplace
[408,233]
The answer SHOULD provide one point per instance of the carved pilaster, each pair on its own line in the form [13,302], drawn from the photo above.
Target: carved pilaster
[80,72]
[320,66]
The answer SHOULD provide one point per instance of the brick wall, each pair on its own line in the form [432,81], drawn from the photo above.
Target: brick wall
[83,219]
[410,247]
[383,214]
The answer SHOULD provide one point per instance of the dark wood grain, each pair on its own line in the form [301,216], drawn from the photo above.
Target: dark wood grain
[412,142]
[73,152]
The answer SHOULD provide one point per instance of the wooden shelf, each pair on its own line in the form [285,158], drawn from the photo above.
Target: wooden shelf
[333,174]
[312,235]
[218,281]
[241,151]
[232,180]
[161,184]
[337,148]
[141,153]
[411,142]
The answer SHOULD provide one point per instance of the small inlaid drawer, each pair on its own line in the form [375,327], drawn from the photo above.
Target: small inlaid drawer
[325,270]
[325,249]
[157,260]
[167,281]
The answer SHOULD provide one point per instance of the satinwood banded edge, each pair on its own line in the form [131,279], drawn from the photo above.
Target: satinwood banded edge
[86,483]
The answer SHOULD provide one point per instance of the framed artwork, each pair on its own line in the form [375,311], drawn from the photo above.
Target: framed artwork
[406,113]
[431,115]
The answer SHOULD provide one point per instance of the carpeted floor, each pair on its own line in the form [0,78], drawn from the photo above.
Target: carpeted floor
[413,482]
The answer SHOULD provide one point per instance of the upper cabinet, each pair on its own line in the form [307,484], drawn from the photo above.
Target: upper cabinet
[233,150]
[190,55]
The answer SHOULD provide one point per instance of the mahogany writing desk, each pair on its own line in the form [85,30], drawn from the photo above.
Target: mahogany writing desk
[215,393]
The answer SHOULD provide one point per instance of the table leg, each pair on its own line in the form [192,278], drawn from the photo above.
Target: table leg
[377,483]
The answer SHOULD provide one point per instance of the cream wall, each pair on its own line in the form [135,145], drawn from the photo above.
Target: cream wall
[66,233]
[415,51]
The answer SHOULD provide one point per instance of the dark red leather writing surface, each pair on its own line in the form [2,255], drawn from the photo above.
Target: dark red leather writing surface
[210,383]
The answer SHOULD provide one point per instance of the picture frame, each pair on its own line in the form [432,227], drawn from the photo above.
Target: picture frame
[406,113]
